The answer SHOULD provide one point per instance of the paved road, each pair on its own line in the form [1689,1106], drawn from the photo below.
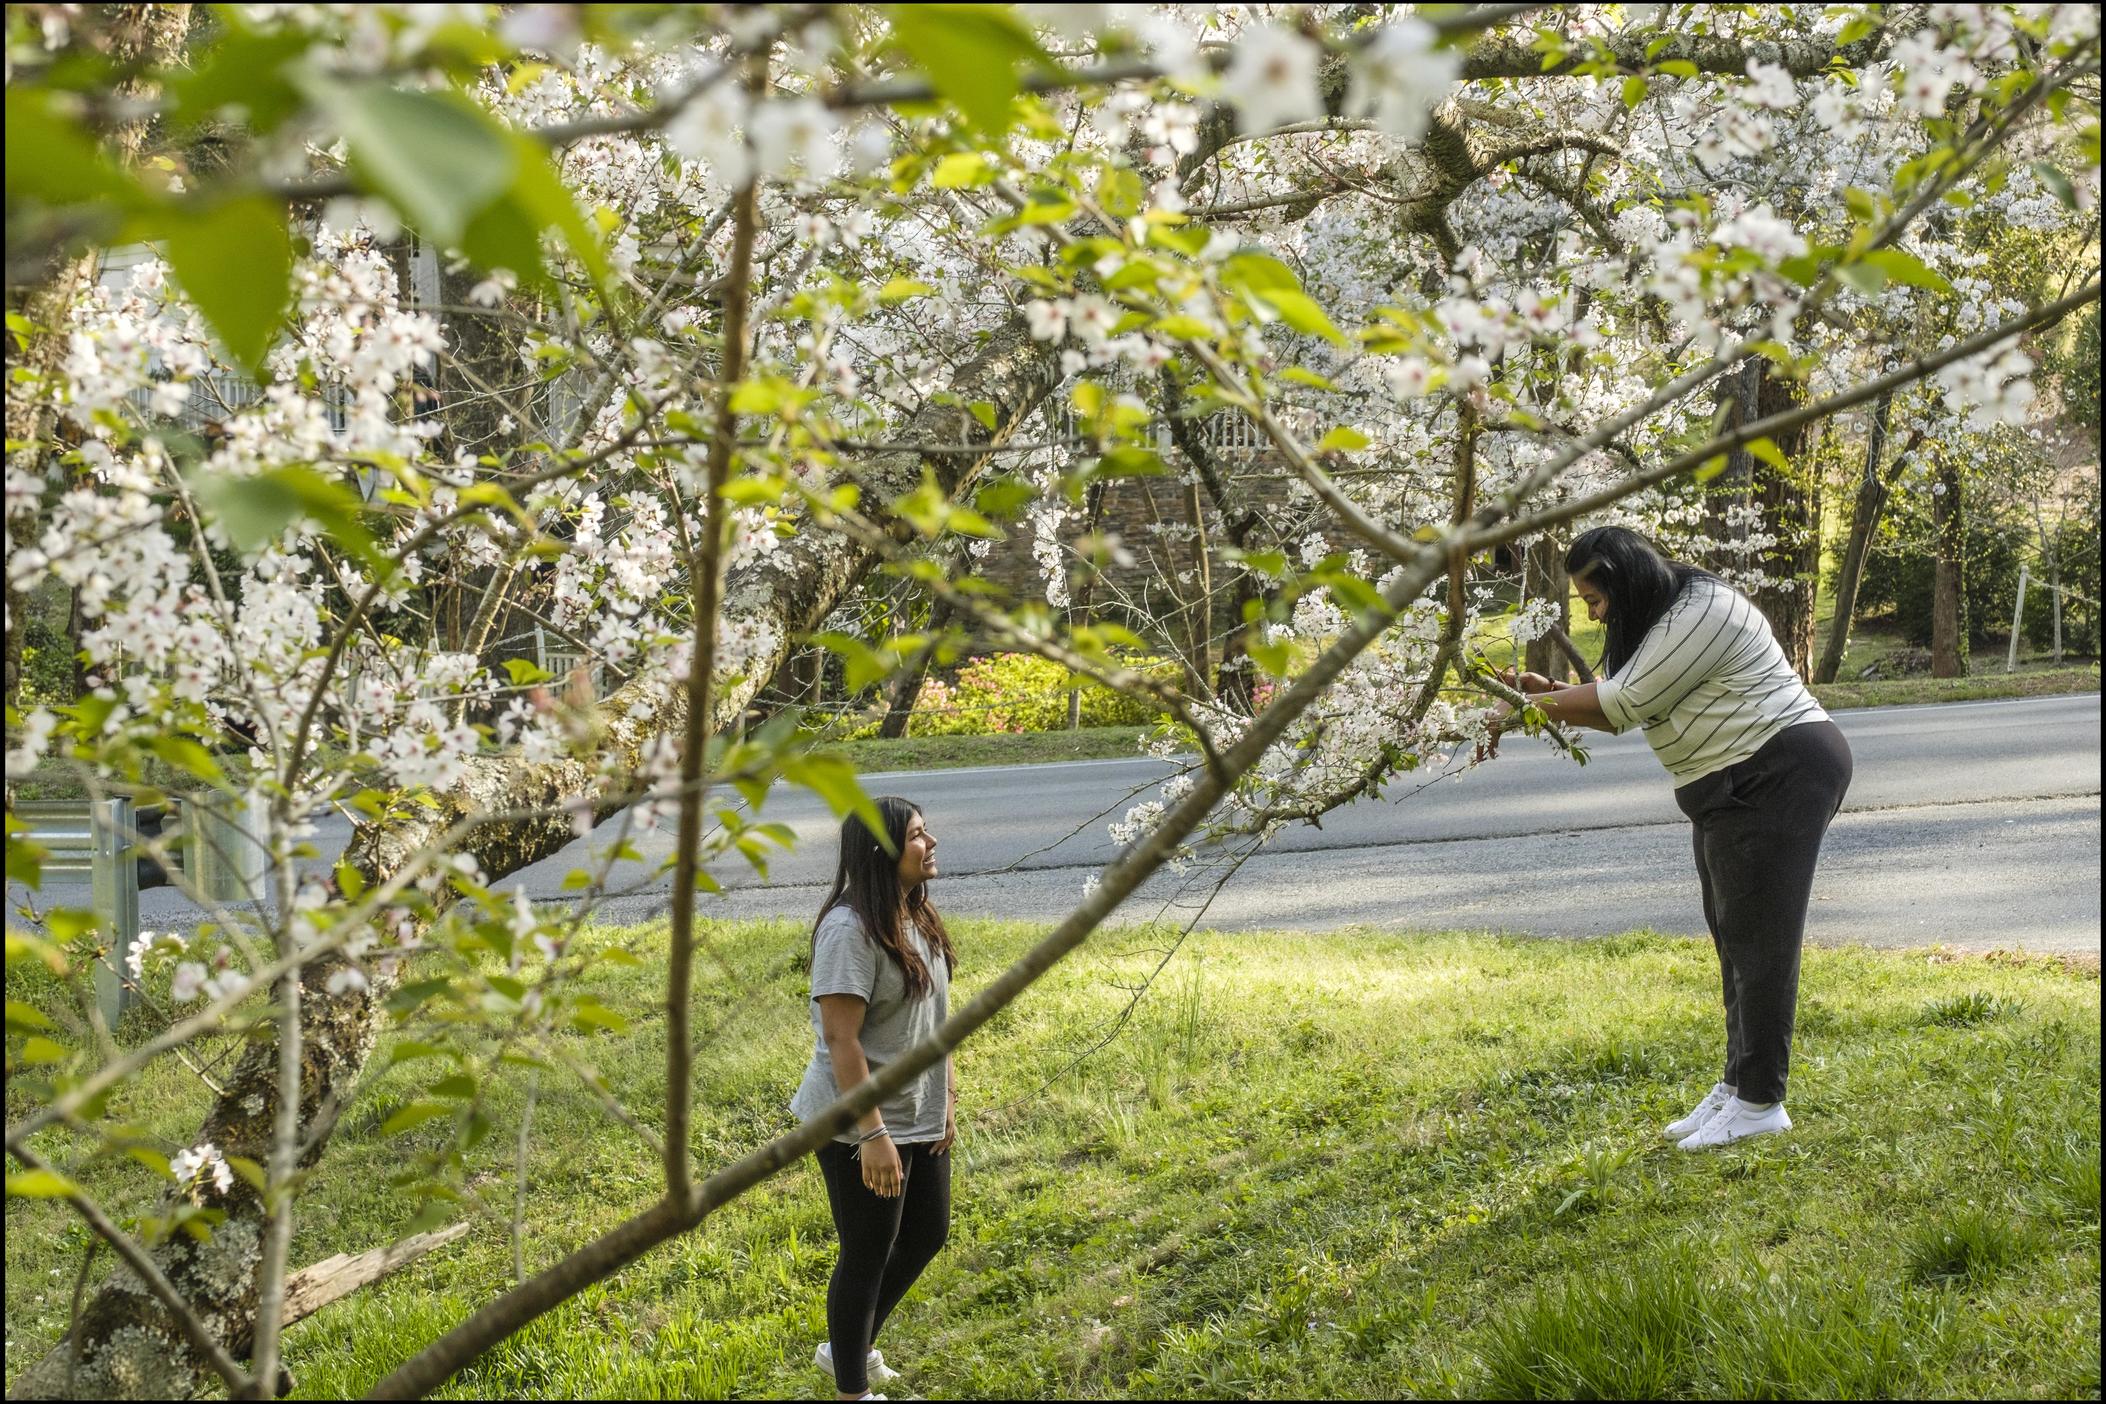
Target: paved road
[1968,824]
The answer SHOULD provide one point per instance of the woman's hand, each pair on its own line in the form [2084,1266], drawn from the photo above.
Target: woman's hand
[881,1168]
[1502,713]
[950,1128]
[1526,682]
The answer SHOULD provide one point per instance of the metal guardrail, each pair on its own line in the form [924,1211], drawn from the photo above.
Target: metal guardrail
[217,849]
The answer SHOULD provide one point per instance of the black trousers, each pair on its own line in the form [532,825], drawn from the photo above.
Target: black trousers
[1758,828]
[885,1244]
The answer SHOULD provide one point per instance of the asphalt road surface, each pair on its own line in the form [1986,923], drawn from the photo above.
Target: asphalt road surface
[1972,825]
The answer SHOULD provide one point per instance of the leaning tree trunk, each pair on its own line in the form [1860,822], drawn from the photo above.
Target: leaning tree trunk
[129,1348]
[1949,580]
[1543,578]
[1873,489]
[1789,498]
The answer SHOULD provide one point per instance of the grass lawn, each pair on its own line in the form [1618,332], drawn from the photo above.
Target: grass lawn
[1019,748]
[1355,1164]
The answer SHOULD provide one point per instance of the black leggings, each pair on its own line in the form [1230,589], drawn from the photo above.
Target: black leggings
[1759,826]
[885,1243]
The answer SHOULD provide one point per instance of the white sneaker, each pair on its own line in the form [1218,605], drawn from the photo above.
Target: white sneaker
[873,1364]
[1736,1121]
[1718,1096]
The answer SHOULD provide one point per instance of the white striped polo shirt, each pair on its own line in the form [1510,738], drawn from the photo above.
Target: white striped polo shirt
[1708,683]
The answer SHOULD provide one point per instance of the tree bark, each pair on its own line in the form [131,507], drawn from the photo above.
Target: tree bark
[1726,496]
[1790,500]
[130,1349]
[906,688]
[306,1292]
[1871,501]
[1949,581]
[1543,578]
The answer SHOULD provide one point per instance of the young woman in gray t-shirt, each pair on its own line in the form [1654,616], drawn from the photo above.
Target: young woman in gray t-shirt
[881,977]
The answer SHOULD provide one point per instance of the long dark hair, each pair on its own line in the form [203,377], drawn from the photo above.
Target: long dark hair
[1638,582]
[867,883]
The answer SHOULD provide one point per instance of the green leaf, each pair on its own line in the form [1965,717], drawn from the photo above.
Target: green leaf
[1300,311]
[234,259]
[25,864]
[1343,439]
[244,69]
[460,1087]
[2058,183]
[591,1014]
[970,54]
[415,1114]
[1274,658]
[1634,89]
[412,996]
[898,290]
[1045,207]
[1302,375]
[253,510]
[1766,449]
[1867,278]
[21,944]
[1121,192]
[410,1050]
[38,1051]
[1679,68]
[151,1159]
[1907,269]
[523,672]
[1251,272]
[833,779]
[1710,469]
[1184,328]
[41,1184]
[539,195]
[962,170]
[52,160]
[440,160]
[187,756]
[1129,461]
[25,1016]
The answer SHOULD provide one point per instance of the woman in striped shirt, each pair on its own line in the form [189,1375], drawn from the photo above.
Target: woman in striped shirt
[1758,768]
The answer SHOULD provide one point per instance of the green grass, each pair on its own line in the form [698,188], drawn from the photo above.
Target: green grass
[1352,1164]
[2038,681]
[1021,748]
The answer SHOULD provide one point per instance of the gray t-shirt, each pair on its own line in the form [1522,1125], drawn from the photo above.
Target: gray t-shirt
[845,961]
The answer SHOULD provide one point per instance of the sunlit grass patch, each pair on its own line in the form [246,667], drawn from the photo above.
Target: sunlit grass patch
[1347,1164]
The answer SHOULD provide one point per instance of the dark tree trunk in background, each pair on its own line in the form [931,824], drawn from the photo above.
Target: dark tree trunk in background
[1949,586]
[1725,495]
[1790,500]
[1543,578]
[1871,500]
[899,708]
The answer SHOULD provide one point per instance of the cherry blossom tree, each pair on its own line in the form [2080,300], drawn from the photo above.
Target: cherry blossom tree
[737,306]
